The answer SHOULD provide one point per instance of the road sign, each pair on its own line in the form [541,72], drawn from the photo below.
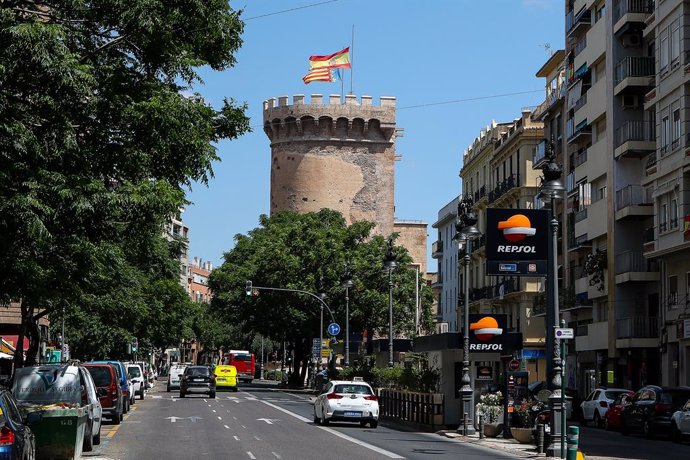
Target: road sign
[334,329]
[565,333]
[514,365]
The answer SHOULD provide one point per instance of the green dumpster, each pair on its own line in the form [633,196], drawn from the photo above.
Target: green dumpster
[60,433]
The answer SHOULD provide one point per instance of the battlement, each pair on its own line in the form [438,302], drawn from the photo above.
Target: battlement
[329,118]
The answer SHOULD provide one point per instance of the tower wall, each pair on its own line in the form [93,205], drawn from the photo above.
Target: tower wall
[327,154]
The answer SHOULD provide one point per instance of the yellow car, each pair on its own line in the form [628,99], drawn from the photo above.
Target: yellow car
[226,377]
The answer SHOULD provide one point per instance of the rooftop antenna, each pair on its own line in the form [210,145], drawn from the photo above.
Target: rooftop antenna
[547,48]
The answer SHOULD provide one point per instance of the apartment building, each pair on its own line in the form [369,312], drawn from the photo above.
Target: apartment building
[497,173]
[176,229]
[445,284]
[199,271]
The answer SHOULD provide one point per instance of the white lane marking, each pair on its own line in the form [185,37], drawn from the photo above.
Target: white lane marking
[237,438]
[234,418]
[243,427]
[219,418]
[257,438]
[340,435]
[226,427]
[222,405]
[205,401]
[276,455]
[251,455]
[213,410]
[209,405]
[251,398]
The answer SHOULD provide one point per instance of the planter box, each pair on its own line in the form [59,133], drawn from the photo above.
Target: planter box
[492,430]
[522,435]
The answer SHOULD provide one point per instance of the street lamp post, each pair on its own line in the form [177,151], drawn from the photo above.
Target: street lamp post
[346,282]
[389,265]
[466,231]
[552,188]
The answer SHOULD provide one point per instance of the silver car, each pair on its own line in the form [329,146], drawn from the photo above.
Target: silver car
[347,401]
[680,423]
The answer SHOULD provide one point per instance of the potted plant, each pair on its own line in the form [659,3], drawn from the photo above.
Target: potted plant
[522,421]
[490,408]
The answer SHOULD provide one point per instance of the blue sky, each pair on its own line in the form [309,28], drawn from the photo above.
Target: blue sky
[423,53]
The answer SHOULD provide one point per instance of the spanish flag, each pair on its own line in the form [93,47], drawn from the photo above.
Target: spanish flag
[322,74]
[341,59]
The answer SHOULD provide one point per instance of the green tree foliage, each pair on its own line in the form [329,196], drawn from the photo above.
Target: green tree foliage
[98,144]
[309,252]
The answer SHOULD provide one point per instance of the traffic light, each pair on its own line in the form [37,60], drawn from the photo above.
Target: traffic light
[248,288]
[135,345]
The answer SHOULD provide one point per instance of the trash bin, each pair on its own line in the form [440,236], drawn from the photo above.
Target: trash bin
[60,433]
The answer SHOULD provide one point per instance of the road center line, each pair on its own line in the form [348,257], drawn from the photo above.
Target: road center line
[258,438]
[252,455]
[215,410]
[276,455]
[207,401]
[227,427]
[219,415]
[340,435]
[237,438]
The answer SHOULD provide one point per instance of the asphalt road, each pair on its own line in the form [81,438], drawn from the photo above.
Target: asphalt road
[261,423]
[597,443]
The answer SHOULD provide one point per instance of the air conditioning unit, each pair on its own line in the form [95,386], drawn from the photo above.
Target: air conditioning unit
[442,328]
[631,41]
[630,101]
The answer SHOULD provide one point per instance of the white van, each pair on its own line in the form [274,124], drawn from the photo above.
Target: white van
[176,370]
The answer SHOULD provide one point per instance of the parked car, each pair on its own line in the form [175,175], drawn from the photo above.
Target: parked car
[680,423]
[108,388]
[174,376]
[349,401]
[16,438]
[136,377]
[612,419]
[651,409]
[596,405]
[124,381]
[149,376]
[226,377]
[198,379]
[61,383]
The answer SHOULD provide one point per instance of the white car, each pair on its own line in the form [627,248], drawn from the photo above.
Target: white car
[596,405]
[136,377]
[348,401]
[680,423]
[174,376]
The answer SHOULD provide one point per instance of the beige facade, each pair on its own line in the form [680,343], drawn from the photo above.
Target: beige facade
[497,173]
[178,230]
[413,237]
[326,154]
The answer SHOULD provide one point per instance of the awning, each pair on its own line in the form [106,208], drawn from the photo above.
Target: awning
[5,356]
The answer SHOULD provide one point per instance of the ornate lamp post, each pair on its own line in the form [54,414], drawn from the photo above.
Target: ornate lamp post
[466,231]
[346,282]
[389,265]
[552,188]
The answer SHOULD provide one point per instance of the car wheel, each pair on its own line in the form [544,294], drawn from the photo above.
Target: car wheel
[212,395]
[125,406]
[317,420]
[624,428]
[325,421]
[117,418]
[169,385]
[363,423]
[675,433]
[133,400]
[373,423]
[88,440]
[647,429]
[597,419]
[141,395]
[583,420]
[181,394]
[607,425]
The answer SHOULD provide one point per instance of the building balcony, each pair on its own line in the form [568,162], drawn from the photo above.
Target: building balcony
[553,95]
[437,249]
[596,338]
[577,22]
[570,184]
[479,244]
[581,102]
[506,287]
[438,283]
[504,187]
[637,332]
[580,46]
[634,201]
[635,139]
[651,164]
[485,292]
[649,244]
[632,266]
[574,133]
[633,72]
[630,15]
[539,155]
[580,243]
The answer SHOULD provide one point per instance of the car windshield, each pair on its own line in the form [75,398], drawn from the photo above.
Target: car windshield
[613,394]
[100,375]
[133,371]
[197,371]
[45,385]
[244,356]
[621,398]
[352,389]
[675,397]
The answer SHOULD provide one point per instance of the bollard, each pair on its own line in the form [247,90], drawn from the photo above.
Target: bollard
[540,438]
[573,442]
[464,424]
[481,426]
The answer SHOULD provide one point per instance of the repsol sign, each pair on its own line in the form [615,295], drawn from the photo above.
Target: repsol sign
[516,249]
[486,347]
[517,241]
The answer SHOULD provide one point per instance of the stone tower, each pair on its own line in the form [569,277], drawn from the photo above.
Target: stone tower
[326,154]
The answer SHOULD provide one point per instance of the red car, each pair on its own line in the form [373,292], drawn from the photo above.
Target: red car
[108,388]
[612,419]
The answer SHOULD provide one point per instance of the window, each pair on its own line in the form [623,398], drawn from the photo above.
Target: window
[665,134]
[663,51]
[663,217]
[584,194]
[675,114]
[673,291]
[600,13]
[674,214]
[675,42]
[601,193]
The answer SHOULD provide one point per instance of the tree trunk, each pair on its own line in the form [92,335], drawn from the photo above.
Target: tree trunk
[19,349]
[34,341]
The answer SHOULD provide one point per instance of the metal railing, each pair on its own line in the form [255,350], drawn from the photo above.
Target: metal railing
[634,66]
[580,158]
[632,261]
[504,186]
[572,20]
[539,151]
[633,195]
[580,46]
[635,131]
[637,327]
[581,102]
[420,410]
[623,7]
[581,215]
[437,247]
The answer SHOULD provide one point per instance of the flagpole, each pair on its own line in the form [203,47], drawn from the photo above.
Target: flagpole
[352,53]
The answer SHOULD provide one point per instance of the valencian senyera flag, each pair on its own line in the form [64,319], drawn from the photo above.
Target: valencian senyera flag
[323,74]
[341,60]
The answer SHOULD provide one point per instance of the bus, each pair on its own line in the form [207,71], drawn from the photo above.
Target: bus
[244,362]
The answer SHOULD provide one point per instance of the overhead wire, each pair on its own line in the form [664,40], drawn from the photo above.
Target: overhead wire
[289,10]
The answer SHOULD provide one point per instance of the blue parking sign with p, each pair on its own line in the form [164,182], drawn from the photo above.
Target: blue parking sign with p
[334,329]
